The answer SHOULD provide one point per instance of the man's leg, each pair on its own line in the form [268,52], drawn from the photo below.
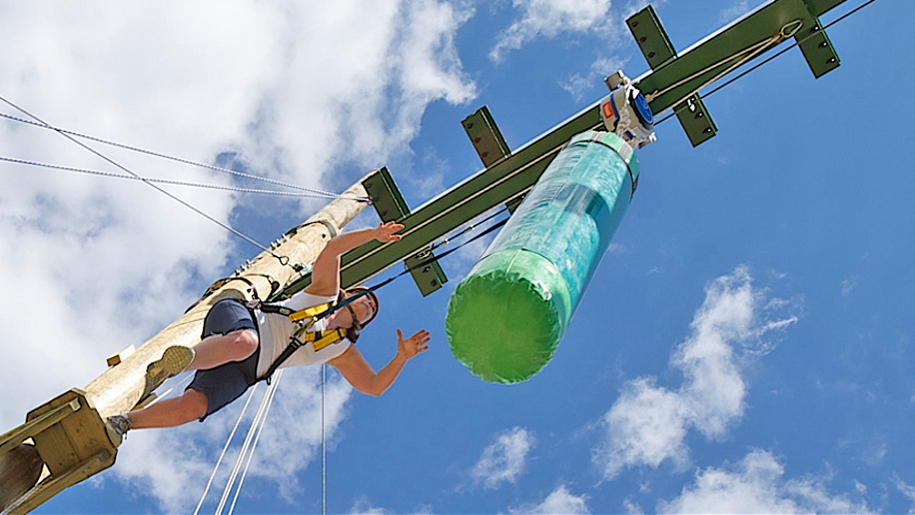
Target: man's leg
[192,405]
[220,349]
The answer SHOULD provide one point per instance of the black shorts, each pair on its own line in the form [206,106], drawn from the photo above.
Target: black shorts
[225,383]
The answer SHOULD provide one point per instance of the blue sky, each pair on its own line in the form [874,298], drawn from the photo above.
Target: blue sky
[744,346]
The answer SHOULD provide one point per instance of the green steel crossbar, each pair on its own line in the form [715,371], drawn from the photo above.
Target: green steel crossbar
[703,58]
[675,79]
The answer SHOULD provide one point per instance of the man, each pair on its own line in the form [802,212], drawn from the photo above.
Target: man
[240,345]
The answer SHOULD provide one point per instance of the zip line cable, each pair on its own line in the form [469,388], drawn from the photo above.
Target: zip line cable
[766,60]
[315,192]
[159,181]
[284,260]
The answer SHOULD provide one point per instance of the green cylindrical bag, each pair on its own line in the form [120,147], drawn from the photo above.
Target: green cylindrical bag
[506,318]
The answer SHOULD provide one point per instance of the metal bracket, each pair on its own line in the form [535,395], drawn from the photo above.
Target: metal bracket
[818,51]
[386,198]
[658,50]
[485,136]
[391,206]
[653,41]
[428,278]
[695,120]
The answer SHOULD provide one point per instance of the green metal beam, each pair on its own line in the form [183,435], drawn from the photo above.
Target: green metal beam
[492,187]
[514,174]
[705,60]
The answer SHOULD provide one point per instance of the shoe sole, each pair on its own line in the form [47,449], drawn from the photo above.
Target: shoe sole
[173,361]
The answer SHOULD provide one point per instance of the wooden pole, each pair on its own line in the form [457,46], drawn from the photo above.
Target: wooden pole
[121,387]
[69,433]
[19,472]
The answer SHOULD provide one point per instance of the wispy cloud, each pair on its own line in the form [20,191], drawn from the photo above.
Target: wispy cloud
[905,489]
[757,485]
[548,19]
[559,501]
[733,12]
[173,466]
[503,461]
[648,423]
[308,89]
[363,506]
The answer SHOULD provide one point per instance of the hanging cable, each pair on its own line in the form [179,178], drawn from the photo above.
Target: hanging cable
[271,392]
[252,431]
[284,260]
[224,449]
[315,192]
[159,181]
[446,240]
[323,443]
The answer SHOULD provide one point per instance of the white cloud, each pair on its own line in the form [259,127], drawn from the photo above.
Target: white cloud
[550,18]
[733,12]
[648,423]
[559,501]
[504,459]
[905,489]
[848,285]
[173,465]
[363,506]
[757,485]
[293,89]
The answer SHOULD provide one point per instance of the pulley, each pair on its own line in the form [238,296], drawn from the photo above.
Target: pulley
[626,112]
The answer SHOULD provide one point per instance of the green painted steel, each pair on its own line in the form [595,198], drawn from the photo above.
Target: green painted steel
[702,62]
[513,176]
[507,317]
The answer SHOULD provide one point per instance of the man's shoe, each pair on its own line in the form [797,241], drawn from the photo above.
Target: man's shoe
[117,426]
[173,361]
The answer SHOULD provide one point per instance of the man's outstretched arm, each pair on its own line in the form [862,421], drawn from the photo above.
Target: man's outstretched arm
[325,276]
[357,371]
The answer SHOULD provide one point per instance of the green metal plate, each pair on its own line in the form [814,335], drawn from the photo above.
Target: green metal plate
[818,50]
[703,61]
[652,40]
[486,138]
[428,278]
[386,198]
[695,120]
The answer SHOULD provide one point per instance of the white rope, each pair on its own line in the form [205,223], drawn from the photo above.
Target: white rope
[323,444]
[748,53]
[271,392]
[224,449]
[258,417]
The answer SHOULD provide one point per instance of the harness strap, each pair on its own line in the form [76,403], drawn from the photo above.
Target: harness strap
[321,339]
[293,315]
[305,319]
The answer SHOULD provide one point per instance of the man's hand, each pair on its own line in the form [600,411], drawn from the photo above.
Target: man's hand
[413,345]
[385,232]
